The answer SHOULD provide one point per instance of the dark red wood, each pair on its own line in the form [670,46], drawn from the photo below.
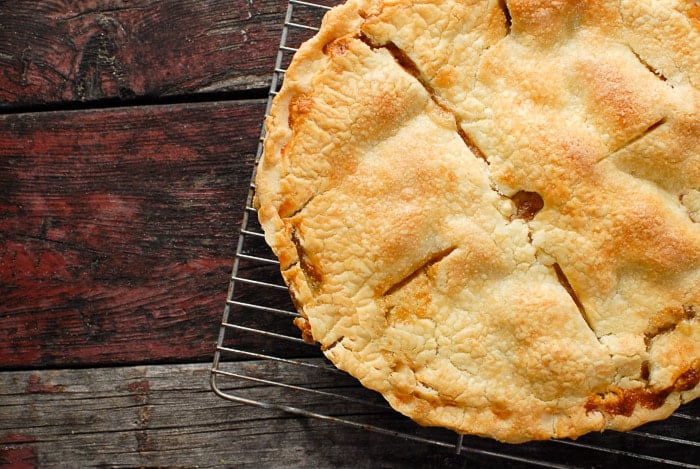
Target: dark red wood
[17,451]
[65,51]
[118,229]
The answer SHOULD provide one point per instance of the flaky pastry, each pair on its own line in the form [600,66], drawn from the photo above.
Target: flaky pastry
[488,211]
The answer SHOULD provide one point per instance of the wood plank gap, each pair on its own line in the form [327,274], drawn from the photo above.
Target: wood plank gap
[111,103]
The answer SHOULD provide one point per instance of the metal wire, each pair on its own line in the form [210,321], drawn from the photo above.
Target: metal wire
[253,315]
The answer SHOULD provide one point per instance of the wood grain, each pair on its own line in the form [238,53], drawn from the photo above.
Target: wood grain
[117,230]
[167,416]
[160,416]
[61,51]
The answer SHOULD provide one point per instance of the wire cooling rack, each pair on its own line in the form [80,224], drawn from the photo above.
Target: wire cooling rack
[261,360]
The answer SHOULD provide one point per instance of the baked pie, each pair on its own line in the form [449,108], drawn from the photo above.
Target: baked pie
[489,211]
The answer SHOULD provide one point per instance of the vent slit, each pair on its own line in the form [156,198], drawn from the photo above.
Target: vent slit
[637,137]
[503,4]
[469,142]
[648,66]
[430,261]
[312,273]
[288,210]
[564,281]
[332,345]
[411,68]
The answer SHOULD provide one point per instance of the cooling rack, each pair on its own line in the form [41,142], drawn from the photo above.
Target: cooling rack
[261,360]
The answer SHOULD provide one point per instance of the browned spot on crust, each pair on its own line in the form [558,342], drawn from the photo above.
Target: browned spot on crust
[337,48]
[299,106]
[305,328]
[666,320]
[502,410]
[689,379]
[403,397]
[694,13]
[623,401]
[287,207]
[286,260]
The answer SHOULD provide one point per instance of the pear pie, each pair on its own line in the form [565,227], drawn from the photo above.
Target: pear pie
[489,211]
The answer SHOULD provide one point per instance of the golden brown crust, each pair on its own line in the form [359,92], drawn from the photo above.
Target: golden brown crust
[488,211]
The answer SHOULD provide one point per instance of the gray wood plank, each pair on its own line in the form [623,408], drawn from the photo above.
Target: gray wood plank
[168,416]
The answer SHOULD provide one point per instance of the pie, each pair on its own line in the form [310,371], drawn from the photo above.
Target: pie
[489,211]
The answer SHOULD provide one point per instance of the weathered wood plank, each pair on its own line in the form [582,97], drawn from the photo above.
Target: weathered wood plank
[117,230]
[167,416]
[64,51]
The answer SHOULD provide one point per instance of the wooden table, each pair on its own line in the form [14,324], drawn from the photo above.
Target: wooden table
[128,130]
[127,136]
